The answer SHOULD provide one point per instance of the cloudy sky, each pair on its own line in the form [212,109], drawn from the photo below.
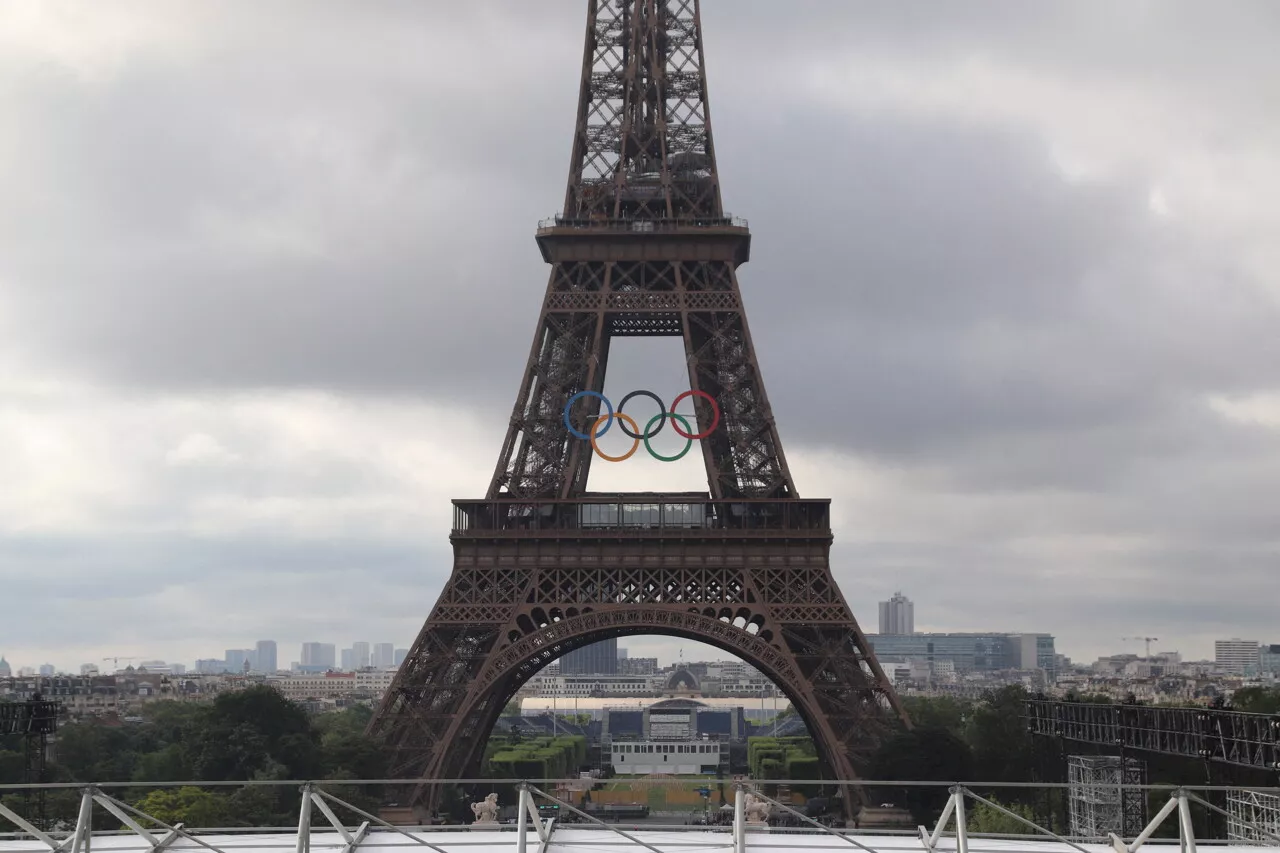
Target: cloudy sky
[268,280]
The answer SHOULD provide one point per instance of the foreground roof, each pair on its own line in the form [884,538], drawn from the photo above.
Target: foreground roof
[577,839]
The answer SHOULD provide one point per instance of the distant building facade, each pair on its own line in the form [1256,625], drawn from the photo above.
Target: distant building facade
[596,659]
[267,660]
[317,657]
[1242,657]
[637,666]
[897,616]
[384,655]
[971,652]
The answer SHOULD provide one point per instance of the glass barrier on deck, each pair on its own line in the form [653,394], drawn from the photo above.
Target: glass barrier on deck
[595,514]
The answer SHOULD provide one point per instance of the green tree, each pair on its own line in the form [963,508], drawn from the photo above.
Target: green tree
[927,755]
[981,817]
[997,734]
[940,712]
[1257,700]
[246,732]
[188,805]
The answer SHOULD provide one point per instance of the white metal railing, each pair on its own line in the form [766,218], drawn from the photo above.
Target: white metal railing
[952,823]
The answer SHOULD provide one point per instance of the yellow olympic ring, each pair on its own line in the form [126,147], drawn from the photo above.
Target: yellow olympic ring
[604,419]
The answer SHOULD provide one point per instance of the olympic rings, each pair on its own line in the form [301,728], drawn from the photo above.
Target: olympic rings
[575,398]
[661,406]
[608,419]
[662,416]
[602,424]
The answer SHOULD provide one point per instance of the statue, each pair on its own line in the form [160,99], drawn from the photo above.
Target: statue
[486,811]
[757,810]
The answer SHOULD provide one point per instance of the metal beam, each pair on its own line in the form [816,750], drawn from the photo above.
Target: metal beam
[356,838]
[22,823]
[1207,734]
[804,817]
[93,794]
[595,820]
[379,821]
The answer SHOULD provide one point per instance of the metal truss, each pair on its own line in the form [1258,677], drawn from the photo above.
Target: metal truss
[78,840]
[36,720]
[498,622]
[1105,795]
[643,247]
[1253,817]
[955,816]
[1228,737]
[541,567]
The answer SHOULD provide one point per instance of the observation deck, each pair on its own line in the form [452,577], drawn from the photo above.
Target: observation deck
[643,516]
[704,238]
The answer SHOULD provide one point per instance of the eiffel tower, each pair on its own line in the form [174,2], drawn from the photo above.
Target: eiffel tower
[541,565]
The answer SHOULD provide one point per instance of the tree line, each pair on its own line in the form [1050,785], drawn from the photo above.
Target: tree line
[254,734]
[257,734]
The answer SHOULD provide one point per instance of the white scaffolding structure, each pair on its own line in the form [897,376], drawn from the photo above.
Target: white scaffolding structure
[1100,798]
[1253,816]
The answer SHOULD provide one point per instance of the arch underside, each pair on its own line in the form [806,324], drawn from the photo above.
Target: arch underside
[463,676]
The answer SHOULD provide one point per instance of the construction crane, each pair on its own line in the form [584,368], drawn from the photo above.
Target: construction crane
[1147,640]
[115,663]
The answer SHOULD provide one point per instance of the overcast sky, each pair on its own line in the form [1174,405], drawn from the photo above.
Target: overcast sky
[268,281]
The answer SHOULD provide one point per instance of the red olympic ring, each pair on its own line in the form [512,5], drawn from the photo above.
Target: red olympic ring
[715,420]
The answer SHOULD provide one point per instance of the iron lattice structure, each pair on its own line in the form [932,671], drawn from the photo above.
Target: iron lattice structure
[1098,803]
[1226,737]
[541,566]
[34,719]
[1253,817]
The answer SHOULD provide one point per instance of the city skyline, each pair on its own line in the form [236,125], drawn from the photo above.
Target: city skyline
[669,650]
[1015,319]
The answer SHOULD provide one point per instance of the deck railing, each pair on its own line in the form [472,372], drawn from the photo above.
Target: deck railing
[640,226]
[643,515]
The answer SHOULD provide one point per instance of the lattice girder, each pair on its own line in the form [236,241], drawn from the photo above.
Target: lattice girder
[643,247]
[463,676]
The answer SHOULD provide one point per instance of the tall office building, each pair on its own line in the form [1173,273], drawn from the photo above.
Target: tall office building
[316,657]
[1238,656]
[897,616]
[348,662]
[596,659]
[235,659]
[401,654]
[361,652]
[266,656]
[384,655]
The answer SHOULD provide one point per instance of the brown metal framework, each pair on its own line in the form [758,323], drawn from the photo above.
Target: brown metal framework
[541,566]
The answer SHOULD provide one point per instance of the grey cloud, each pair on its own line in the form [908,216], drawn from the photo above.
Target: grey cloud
[189,597]
[1032,356]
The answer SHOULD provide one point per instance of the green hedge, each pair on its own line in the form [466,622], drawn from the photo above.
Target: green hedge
[783,758]
[538,758]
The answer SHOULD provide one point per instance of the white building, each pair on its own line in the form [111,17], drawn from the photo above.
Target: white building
[646,758]
[1237,656]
